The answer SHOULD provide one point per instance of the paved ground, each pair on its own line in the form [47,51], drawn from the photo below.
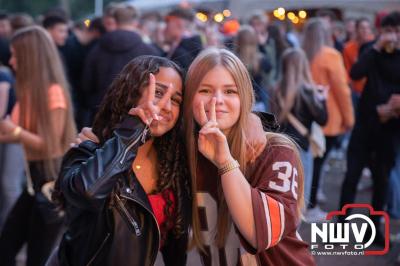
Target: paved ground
[331,187]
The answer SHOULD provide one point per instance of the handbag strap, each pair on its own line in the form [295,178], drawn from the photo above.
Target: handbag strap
[298,125]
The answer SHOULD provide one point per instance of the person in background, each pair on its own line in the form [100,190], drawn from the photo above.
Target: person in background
[20,20]
[329,17]
[328,70]
[246,48]
[11,154]
[375,138]
[77,46]
[184,46]
[148,24]
[5,34]
[350,55]
[109,22]
[42,121]
[350,27]
[17,21]
[297,94]
[111,53]
[5,26]
[275,47]
[57,26]
[259,22]
[339,32]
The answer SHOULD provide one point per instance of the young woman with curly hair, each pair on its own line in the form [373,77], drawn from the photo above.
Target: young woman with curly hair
[128,196]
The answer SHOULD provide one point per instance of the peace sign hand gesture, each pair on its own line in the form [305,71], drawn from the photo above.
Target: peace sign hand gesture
[148,108]
[212,142]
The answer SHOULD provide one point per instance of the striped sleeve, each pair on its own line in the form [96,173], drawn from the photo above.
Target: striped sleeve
[275,219]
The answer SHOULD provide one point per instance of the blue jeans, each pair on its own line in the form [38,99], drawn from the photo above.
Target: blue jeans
[394,185]
[308,166]
[12,177]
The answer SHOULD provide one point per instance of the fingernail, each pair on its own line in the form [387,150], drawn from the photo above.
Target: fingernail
[156,117]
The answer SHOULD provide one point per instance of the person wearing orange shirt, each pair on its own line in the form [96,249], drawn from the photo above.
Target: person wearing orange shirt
[328,70]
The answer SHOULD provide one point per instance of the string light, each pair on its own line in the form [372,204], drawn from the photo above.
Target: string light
[227,13]
[281,11]
[202,17]
[302,14]
[218,17]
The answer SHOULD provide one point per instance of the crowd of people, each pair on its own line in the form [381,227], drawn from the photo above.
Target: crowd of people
[193,135]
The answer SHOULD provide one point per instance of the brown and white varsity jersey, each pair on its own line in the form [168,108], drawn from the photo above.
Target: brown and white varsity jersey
[274,181]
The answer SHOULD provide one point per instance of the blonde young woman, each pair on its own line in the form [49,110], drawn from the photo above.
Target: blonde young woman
[42,122]
[247,205]
[327,69]
[297,94]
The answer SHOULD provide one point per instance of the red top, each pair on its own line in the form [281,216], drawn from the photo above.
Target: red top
[157,203]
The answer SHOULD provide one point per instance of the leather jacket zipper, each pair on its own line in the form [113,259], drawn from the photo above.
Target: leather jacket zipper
[98,250]
[155,221]
[120,207]
[142,137]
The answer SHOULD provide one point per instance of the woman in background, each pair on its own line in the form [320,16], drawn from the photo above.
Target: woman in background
[327,69]
[296,94]
[42,122]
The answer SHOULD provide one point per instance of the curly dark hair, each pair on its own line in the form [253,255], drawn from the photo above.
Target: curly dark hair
[123,94]
[173,174]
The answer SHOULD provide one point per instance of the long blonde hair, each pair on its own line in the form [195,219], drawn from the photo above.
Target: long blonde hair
[39,67]
[317,34]
[295,75]
[204,62]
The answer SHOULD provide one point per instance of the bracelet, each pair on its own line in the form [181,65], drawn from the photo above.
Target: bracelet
[233,164]
[17,131]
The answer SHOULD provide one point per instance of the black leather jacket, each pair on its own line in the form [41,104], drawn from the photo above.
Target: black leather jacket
[103,199]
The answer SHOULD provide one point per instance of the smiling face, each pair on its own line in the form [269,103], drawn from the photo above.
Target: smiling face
[218,83]
[170,111]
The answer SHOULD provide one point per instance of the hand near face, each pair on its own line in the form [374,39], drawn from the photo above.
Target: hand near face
[212,143]
[147,109]
[386,40]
